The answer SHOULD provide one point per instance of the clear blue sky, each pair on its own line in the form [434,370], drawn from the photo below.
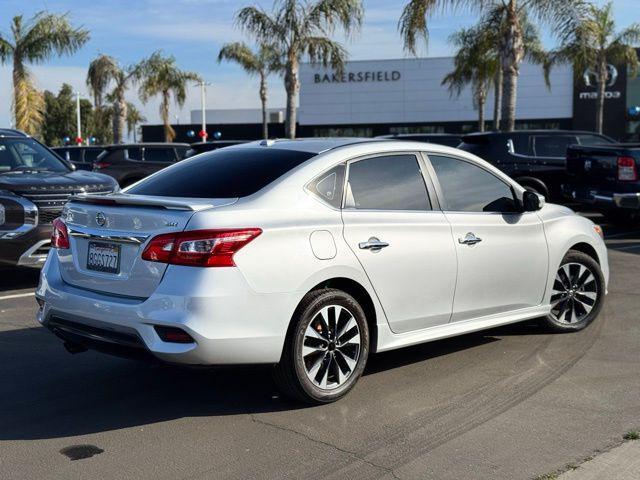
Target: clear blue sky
[194,30]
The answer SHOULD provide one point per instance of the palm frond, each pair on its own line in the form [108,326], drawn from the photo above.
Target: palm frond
[241,54]
[326,52]
[259,24]
[327,14]
[50,34]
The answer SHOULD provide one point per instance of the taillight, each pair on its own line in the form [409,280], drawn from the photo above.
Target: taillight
[60,235]
[199,248]
[627,171]
[100,165]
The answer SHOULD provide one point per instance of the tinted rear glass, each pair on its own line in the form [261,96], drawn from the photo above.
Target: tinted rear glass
[224,173]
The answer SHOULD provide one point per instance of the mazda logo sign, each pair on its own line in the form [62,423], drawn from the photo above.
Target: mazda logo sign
[101,220]
[591,77]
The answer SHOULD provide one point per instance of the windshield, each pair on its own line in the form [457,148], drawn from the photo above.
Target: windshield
[223,173]
[26,155]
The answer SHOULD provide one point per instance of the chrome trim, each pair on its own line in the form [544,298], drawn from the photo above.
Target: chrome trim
[132,238]
[619,198]
[30,216]
[28,259]
[373,244]
[469,239]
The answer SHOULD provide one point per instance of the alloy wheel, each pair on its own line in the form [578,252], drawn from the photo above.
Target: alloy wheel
[575,293]
[331,347]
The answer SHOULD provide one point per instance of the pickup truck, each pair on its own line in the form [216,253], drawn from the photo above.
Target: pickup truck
[606,178]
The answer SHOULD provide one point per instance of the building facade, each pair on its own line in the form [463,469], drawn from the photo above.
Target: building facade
[376,97]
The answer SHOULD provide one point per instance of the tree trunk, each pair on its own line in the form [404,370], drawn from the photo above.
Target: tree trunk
[497,101]
[482,99]
[169,132]
[120,118]
[511,56]
[263,101]
[292,86]
[602,87]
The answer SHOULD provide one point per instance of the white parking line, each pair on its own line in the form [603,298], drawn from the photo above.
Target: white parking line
[18,295]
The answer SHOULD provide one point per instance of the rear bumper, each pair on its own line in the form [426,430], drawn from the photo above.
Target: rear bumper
[607,199]
[27,250]
[230,324]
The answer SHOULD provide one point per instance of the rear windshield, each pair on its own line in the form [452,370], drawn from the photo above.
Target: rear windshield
[224,173]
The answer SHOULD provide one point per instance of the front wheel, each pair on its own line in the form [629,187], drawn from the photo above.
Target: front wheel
[578,293]
[326,350]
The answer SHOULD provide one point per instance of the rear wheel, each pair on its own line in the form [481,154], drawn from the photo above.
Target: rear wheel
[577,295]
[326,350]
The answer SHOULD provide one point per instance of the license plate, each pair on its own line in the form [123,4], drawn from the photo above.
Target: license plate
[103,257]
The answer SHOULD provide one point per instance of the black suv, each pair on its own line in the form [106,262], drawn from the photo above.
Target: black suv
[536,159]
[128,163]
[80,155]
[446,139]
[34,186]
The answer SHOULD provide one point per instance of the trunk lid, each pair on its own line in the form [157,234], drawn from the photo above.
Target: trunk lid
[121,225]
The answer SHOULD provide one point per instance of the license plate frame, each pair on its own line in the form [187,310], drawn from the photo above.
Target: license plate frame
[103,257]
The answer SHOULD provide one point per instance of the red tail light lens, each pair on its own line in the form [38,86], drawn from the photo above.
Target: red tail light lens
[173,335]
[627,171]
[199,248]
[59,235]
[100,165]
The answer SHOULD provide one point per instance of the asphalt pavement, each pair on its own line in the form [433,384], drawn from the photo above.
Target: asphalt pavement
[511,403]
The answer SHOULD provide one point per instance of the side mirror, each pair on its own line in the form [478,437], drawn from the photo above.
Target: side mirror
[532,201]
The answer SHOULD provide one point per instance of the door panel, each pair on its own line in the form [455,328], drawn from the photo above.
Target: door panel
[414,277]
[405,248]
[502,252]
[506,270]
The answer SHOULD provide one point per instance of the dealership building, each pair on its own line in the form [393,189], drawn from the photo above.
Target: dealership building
[377,97]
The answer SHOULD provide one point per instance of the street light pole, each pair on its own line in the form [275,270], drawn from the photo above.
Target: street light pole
[78,125]
[203,93]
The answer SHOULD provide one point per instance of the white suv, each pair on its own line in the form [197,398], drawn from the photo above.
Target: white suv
[310,254]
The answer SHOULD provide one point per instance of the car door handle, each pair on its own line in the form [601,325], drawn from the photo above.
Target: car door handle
[469,239]
[373,244]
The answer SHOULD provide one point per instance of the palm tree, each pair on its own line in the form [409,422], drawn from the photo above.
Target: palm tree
[301,29]
[560,15]
[475,64]
[263,62]
[161,76]
[491,30]
[134,118]
[594,45]
[36,41]
[103,72]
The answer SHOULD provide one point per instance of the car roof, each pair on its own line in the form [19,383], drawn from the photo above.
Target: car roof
[416,135]
[12,132]
[315,145]
[532,132]
[144,144]
[65,147]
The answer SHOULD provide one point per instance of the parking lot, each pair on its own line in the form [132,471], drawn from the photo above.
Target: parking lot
[513,402]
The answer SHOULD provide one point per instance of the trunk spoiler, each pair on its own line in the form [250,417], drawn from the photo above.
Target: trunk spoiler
[169,203]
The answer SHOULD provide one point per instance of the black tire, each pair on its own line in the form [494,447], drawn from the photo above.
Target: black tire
[292,374]
[574,308]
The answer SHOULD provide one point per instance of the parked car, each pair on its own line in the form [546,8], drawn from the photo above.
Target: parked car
[128,163]
[82,156]
[310,254]
[448,139]
[605,177]
[536,159]
[34,185]
[201,147]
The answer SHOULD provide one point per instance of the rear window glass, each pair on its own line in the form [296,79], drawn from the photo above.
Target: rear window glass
[91,155]
[224,173]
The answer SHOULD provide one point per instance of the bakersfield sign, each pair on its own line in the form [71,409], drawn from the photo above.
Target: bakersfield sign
[358,77]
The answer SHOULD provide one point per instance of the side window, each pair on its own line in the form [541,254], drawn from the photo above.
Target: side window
[134,153]
[391,182]
[159,155]
[91,155]
[74,154]
[552,145]
[329,186]
[592,140]
[469,188]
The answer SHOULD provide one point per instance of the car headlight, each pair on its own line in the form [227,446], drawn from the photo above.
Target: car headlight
[17,215]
